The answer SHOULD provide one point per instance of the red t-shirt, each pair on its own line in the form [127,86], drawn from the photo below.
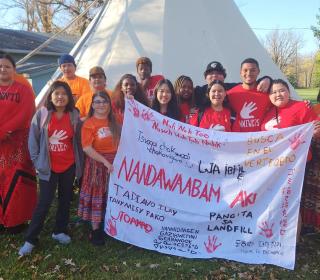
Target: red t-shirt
[217,120]
[250,107]
[17,107]
[151,85]
[60,133]
[294,113]
[186,112]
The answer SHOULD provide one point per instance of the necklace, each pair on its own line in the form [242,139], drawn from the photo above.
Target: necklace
[4,93]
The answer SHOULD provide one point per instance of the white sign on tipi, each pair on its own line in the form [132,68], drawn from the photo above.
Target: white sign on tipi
[180,37]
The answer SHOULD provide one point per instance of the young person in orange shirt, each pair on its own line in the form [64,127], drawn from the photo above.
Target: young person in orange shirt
[55,151]
[98,82]
[100,136]
[79,86]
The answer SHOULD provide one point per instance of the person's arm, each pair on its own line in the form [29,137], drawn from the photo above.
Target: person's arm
[91,152]
[34,138]
[264,84]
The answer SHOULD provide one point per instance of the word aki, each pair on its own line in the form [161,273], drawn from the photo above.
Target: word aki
[149,175]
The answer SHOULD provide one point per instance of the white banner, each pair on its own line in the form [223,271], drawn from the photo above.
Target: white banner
[199,193]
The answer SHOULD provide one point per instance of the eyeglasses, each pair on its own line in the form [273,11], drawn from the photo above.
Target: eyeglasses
[98,102]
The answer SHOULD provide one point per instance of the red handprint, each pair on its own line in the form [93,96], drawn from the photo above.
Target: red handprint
[266,230]
[111,227]
[147,115]
[211,246]
[134,108]
[296,141]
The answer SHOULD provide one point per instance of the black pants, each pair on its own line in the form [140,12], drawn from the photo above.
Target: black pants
[64,181]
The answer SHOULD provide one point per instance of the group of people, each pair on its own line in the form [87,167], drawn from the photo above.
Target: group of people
[77,131]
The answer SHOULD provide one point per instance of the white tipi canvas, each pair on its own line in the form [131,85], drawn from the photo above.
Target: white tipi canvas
[180,37]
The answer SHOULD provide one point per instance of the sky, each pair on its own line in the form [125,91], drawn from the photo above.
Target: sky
[263,16]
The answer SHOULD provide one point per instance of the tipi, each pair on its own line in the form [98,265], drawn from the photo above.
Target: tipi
[180,37]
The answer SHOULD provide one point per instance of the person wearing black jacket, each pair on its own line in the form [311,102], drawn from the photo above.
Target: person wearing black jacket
[215,71]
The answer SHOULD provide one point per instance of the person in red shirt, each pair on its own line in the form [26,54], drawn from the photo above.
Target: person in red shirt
[127,87]
[183,87]
[215,116]
[100,136]
[246,101]
[147,82]
[286,112]
[165,101]
[55,151]
[18,189]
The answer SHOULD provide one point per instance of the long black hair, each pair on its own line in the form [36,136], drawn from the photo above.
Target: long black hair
[114,126]
[173,109]
[56,84]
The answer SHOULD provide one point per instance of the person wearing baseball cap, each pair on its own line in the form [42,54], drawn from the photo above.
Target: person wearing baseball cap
[79,86]
[216,71]
[97,82]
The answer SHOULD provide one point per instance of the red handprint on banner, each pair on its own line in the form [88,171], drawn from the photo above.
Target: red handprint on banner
[147,115]
[212,245]
[296,141]
[134,108]
[111,227]
[266,229]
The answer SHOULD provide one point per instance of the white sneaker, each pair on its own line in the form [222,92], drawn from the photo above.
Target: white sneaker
[61,238]
[26,249]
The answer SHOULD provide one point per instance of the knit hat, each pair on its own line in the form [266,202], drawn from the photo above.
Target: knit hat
[66,58]
[96,70]
[215,66]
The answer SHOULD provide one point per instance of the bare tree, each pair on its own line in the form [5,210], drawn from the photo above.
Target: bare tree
[47,15]
[283,47]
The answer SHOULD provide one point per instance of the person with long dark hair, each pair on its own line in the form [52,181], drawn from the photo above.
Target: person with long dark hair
[128,87]
[100,136]
[55,151]
[215,115]
[165,100]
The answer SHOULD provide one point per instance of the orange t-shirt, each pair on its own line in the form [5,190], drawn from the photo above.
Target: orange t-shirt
[79,86]
[96,133]
[60,133]
[84,103]
[22,80]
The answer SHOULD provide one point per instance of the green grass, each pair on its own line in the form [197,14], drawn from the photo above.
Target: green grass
[308,93]
[118,260]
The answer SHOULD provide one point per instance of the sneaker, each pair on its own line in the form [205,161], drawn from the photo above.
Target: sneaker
[62,238]
[97,238]
[26,249]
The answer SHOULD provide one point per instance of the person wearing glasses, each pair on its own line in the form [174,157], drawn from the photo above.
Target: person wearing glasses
[100,135]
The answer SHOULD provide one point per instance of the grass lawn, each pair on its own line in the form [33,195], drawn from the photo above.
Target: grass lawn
[308,93]
[117,260]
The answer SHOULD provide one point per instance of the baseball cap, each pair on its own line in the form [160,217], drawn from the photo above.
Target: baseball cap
[215,66]
[66,58]
[96,70]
